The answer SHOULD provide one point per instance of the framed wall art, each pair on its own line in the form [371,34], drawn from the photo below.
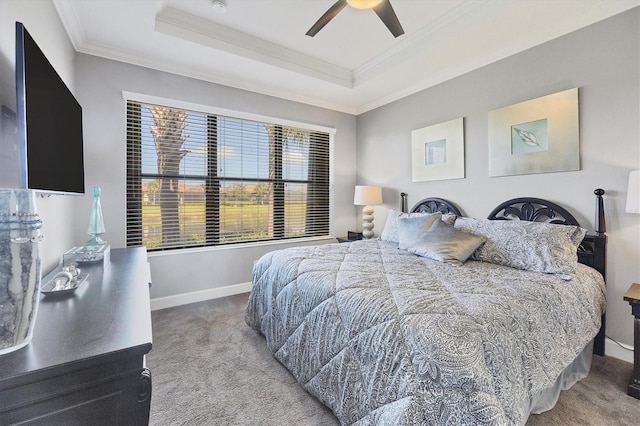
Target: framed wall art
[437,151]
[536,136]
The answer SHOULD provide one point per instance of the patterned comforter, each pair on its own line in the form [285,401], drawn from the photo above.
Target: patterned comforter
[382,336]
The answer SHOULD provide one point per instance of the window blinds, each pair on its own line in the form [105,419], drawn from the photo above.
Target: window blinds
[196,179]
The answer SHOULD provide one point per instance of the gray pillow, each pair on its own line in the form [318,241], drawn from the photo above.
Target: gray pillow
[410,229]
[532,246]
[447,244]
[390,230]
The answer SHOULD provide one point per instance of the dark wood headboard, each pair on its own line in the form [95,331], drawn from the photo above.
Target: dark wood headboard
[592,251]
[430,205]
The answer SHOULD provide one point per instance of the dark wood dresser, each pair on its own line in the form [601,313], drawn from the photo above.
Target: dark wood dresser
[85,364]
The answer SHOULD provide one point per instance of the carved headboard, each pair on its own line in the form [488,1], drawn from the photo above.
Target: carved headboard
[533,210]
[592,251]
[430,205]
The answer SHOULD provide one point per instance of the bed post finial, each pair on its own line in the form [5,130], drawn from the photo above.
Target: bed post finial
[600,225]
[403,202]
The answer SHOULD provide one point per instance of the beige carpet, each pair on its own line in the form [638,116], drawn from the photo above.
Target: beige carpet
[210,368]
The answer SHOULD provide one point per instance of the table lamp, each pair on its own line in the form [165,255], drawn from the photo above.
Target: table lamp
[367,196]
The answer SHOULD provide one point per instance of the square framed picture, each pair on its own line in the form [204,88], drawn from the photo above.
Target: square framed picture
[536,136]
[437,152]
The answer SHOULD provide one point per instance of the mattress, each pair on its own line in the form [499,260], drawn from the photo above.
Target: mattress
[382,336]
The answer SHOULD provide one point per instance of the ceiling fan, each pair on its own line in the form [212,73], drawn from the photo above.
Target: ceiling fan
[381,7]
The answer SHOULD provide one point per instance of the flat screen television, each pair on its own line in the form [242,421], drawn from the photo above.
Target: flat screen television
[49,123]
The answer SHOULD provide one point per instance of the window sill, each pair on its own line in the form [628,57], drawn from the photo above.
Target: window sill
[291,242]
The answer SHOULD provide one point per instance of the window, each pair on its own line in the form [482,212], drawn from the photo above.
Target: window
[196,179]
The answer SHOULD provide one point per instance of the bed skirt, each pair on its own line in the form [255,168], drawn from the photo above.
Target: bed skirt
[576,371]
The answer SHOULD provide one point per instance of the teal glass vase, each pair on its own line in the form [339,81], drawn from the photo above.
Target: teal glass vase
[96,223]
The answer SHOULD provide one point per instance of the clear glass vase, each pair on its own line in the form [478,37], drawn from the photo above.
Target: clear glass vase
[20,270]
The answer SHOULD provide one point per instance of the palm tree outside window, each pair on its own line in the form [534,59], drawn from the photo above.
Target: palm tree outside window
[196,179]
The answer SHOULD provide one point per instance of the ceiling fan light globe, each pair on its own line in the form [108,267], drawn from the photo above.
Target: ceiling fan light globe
[219,6]
[363,4]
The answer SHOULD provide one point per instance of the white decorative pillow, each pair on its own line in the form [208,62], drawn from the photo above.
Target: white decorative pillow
[390,230]
[410,229]
[532,246]
[447,244]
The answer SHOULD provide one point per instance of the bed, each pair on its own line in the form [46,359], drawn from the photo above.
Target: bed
[406,330]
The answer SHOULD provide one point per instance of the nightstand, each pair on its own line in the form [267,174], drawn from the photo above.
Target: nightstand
[633,297]
[351,236]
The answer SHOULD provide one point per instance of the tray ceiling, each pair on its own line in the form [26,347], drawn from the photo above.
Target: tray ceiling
[353,64]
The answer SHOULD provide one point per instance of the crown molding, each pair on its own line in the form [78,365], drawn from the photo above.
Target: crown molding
[406,49]
[189,27]
[592,12]
[70,22]
[226,80]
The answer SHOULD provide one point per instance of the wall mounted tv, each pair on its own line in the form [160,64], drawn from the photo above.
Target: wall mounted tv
[49,122]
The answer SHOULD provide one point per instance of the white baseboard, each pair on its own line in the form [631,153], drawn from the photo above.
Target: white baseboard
[199,296]
[611,348]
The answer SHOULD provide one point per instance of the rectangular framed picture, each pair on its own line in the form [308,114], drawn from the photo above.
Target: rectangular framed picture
[437,152]
[536,136]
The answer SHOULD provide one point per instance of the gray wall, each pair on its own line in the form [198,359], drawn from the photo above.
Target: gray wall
[603,62]
[100,84]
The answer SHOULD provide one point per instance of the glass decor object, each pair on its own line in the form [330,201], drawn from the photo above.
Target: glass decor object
[82,255]
[96,223]
[20,267]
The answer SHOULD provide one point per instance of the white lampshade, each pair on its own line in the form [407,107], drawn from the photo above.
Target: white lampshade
[367,195]
[633,193]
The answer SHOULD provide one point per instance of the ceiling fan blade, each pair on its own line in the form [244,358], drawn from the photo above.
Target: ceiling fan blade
[328,16]
[388,16]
